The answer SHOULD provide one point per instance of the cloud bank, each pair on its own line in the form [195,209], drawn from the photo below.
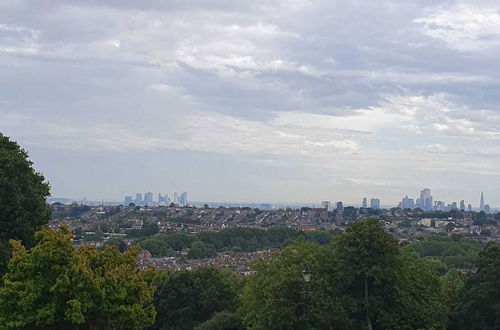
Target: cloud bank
[289,100]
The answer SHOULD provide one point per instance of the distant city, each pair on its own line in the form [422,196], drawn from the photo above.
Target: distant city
[162,200]
[425,201]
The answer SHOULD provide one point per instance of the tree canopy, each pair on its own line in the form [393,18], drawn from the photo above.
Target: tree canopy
[478,304]
[53,285]
[23,193]
[363,279]
[186,299]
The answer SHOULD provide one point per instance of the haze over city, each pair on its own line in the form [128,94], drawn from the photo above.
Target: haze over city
[290,101]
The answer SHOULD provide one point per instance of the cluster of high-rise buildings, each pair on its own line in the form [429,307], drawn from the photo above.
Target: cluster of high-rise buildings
[374,204]
[162,200]
[425,202]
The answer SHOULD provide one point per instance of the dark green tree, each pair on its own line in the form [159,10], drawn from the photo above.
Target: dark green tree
[186,299]
[277,297]
[23,193]
[478,304]
[368,266]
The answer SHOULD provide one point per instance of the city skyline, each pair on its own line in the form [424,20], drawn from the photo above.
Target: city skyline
[366,202]
[284,101]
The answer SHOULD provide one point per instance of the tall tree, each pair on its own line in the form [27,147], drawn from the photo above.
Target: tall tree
[54,286]
[23,193]
[277,297]
[478,304]
[185,299]
[368,266]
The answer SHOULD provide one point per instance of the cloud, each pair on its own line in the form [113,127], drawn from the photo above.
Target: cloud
[467,27]
[385,95]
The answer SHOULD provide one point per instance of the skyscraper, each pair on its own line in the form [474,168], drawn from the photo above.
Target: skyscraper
[340,206]
[407,203]
[138,199]
[487,209]
[128,200]
[325,205]
[425,199]
[148,198]
[462,205]
[375,203]
[469,208]
[481,203]
[184,198]
[365,203]
[176,198]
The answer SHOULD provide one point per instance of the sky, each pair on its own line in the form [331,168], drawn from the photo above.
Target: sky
[256,101]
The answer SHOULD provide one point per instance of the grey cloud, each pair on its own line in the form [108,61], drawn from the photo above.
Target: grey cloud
[347,89]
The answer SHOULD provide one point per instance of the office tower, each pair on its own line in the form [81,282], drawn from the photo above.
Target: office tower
[340,206]
[138,199]
[481,203]
[487,209]
[469,208]
[148,198]
[128,200]
[375,203]
[325,205]
[462,205]
[176,198]
[365,203]
[426,199]
[454,206]
[184,198]
[407,203]
[439,206]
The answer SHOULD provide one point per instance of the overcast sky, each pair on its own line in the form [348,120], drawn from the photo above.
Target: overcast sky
[256,101]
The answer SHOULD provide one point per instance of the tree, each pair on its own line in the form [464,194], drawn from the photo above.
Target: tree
[118,242]
[478,304]
[276,297]
[186,299]
[222,321]
[419,295]
[368,266]
[150,228]
[54,286]
[200,250]
[23,193]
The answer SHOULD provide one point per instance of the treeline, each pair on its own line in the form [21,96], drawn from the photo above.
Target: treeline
[237,239]
[454,251]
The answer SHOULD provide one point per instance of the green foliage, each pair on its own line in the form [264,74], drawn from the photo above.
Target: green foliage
[23,192]
[229,239]
[59,212]
[454,252]
[200,250]
[185,299]
[54,286]
[368,264]
[117,242]
[148,229]
[222,321]
[274,298]
[362,280]
[478,304]
[163,245]
[419,296]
